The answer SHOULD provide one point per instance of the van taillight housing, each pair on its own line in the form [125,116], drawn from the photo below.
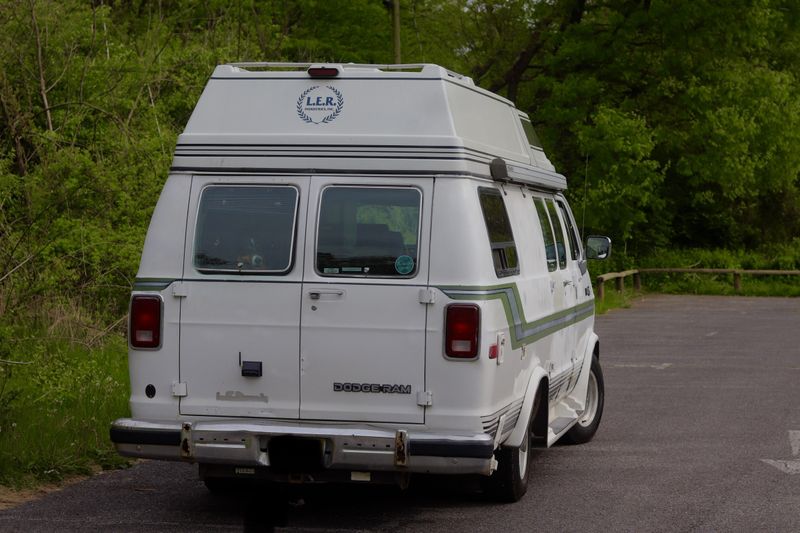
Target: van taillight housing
[323,72]
[462,327]
[145,327]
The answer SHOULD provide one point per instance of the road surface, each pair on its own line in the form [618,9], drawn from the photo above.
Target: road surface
[701,432]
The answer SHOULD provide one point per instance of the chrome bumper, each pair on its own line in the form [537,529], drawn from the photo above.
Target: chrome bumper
[245,443]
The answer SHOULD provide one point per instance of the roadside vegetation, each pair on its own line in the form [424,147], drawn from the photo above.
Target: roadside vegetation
[676,123]
[56,407]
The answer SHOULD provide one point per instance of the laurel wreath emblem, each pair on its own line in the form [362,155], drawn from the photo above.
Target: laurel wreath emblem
[328,118]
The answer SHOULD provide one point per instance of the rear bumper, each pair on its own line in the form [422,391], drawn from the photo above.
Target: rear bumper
[245,443]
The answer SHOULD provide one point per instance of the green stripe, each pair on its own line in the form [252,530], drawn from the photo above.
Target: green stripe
[521,331]
[151,284]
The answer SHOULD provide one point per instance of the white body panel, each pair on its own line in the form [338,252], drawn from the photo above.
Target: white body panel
[345,355]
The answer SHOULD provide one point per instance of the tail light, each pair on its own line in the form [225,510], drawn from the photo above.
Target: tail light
[462,325]
[323,72]
[145,330]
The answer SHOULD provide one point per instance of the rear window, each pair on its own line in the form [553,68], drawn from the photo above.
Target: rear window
[501,238]
[246,229]
[368,232]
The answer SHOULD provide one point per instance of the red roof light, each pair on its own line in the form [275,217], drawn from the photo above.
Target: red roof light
[323,72]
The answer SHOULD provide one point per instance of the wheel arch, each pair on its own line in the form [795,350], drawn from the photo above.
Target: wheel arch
[537,380]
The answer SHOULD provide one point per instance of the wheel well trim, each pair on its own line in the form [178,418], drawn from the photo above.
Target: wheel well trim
[538,379]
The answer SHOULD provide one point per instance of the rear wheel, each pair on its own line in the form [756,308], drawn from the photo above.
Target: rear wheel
[589,420]
[509,482]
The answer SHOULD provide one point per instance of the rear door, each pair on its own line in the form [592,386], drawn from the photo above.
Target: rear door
[240,297]
[363,322]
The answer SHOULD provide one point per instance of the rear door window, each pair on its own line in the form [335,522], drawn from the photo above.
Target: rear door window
[501,238]
[368,232]
[246,229]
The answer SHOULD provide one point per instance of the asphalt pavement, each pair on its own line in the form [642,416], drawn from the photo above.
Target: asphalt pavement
[701,432]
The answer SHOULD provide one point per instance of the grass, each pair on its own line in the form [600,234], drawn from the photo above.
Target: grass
[722,284]
[613,300]
[57,400]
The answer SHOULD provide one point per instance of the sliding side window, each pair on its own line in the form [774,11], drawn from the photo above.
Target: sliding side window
[559,234]
[572,234]
[547,234]
[501,238]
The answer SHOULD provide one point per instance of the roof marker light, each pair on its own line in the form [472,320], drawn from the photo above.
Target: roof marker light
[323,72]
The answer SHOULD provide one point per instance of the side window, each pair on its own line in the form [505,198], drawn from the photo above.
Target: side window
[547,233]
[501,238]
[368,232]
[245,229]
[559,234]
[574,247]
[530,133]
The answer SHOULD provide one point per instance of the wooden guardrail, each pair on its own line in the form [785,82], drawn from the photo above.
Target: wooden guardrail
[619,277]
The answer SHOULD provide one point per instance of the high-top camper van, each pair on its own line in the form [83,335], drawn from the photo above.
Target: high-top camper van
[355,273]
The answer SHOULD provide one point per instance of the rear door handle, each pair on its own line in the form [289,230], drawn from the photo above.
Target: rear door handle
[316,294]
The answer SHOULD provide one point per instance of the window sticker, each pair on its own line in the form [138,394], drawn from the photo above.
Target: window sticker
[404,265]
[352,269]
[330,270]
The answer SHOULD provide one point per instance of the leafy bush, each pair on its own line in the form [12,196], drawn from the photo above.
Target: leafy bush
[57,400]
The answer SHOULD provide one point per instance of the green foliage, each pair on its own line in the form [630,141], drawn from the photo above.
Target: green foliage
[614,300]
[676,123]
[784,256]
[625,192]
[57,400]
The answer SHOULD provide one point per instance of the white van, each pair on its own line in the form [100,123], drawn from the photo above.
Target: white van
[355,273]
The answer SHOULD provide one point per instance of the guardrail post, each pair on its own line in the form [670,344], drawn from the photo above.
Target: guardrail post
[637,281]
[601,288]
[620,283]
[737,281]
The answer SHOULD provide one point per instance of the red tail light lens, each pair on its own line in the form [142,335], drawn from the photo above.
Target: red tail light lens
[145,330]
[462,325]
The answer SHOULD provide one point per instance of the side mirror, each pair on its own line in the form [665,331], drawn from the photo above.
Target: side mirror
[598,247]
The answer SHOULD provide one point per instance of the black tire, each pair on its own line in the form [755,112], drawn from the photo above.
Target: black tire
[587,425]
[509,482]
